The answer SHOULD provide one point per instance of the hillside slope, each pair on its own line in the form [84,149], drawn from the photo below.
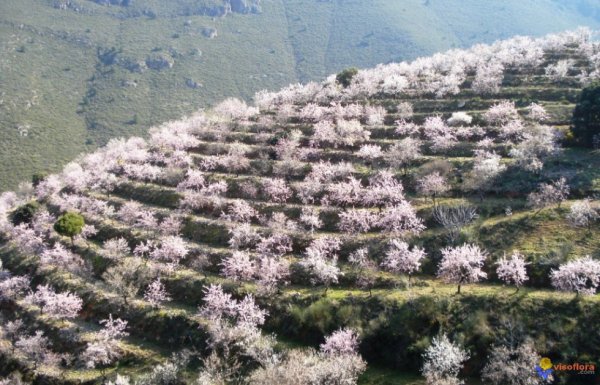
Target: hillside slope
[300,203]
[72,72]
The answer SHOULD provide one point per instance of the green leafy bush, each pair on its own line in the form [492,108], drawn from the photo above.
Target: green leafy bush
[345,77]
[69,225]
[25,213]
[586,117]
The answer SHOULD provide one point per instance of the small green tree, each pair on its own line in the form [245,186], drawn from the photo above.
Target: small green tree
[25,213]
[345,77]
[586,117]
[38,177]
[69,225]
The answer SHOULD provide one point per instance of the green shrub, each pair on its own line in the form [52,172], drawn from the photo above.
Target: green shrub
[69,225]
[38,177]
[345,77]
[586,117]
[25,213]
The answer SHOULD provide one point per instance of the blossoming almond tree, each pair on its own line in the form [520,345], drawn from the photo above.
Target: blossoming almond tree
[239,266]
[583,214]
[462,264]
[432,185]
[55,305]
[581,276]
[366,268]
[342,341]
[320,261]
[105,349]
[156,294]
[401,260]
[443,361]
[356,221]
[512,270]
[36,349]
[400,219]
[549,194]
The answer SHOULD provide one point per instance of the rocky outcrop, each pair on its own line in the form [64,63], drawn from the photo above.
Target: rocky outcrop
[158,61]
[218,8]
[122,3]
[209,32]
[245,6]
[191,83]
[133,65]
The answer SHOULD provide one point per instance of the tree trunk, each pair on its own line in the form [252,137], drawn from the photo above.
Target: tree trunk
[458,291]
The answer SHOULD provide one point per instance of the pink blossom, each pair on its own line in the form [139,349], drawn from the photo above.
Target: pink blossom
[342,341]
[275,245]
[400,259]
[512,270]
[400,218]
[115,248]
[403,152]
[239,211]
[383,190]
[12,287]
[243,236]
[235,109]
[156,294]
[276,190]
[348,193]
[581,276]
[271,272]
[217,303]
[239,266]
[432,185]
[170,225]
[501,113]
[537,112]
[356,221]
[370,152]
[62,258]
[55,305]
[172,249]
[462,264]
[310,219]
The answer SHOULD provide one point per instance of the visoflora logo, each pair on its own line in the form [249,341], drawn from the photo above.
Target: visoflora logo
[546,369]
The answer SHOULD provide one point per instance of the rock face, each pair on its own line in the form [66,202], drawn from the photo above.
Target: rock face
[122,3]
[159,62]
[209,32]
[225,7]
[215,8]
[245,6]
[191,83]
[132,65]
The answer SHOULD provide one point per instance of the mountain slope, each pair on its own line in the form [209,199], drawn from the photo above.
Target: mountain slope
[69,91]
[301,203]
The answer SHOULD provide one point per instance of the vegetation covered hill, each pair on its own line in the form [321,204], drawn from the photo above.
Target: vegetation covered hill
[383,214]
[75,73]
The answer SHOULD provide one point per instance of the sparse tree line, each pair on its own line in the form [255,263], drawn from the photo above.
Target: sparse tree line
[481,69]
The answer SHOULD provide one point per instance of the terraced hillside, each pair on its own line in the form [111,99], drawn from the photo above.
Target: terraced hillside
[327,206]
[76,73]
